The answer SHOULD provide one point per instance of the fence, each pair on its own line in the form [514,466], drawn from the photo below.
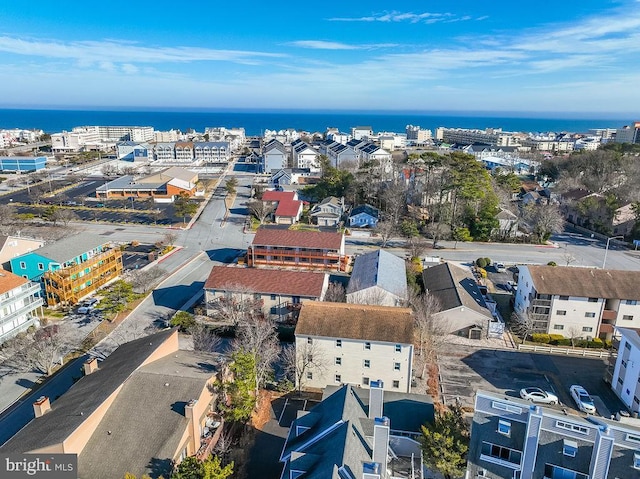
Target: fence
[592,353]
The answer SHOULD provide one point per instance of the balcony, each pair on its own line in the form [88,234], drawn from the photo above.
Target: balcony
[25,309]
[609,315]
[211,435]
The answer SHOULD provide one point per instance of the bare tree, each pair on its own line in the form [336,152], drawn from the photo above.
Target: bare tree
[143,280]
[65,216]
[261,209]
[7,214]
[394,198]
[360,294]
[42,350]
[109,170]
[300,361]
[568,258]
[574,334]
[385,230]
[417,247]
[224,445]
[169,238]
[544,220]
[236,307]
[523,325]
[335,293]
[204,339]
[431,330]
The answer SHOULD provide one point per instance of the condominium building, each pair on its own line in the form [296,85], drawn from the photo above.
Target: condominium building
[304,156]
[625,376]
[511,438]
[359,343]
[578,302]
[275,247]
[19,305]
[491,136]
[628,134]
[417,135]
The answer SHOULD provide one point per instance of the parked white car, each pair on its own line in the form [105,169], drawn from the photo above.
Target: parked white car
[582,399]
[500,268]
[538,395]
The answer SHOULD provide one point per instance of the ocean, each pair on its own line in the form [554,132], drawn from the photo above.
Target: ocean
[254,123]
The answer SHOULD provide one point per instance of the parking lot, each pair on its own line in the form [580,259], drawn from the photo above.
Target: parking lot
[464,370]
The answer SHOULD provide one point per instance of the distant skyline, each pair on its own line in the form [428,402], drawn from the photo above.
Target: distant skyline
[580,57]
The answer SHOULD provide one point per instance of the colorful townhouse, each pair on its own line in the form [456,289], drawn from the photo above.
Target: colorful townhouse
[19,303]
[71,268]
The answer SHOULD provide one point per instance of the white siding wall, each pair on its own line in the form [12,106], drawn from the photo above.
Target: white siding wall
[625,376]
[382,359]
[576,311]
[632,310]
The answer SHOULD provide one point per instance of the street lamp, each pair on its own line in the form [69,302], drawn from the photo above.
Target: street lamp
[606,250]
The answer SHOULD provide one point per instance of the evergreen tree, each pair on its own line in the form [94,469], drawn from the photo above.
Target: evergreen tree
[445,443]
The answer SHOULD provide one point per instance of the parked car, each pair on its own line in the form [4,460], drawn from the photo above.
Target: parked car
[582,399]
[500,268]
[538,395]
[85,309]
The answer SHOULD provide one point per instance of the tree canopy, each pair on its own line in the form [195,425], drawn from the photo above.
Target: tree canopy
[445,443]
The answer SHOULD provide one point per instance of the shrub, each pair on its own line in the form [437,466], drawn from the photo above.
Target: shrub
[563,342]
[608,344]
[487,262]
[483,272]
[556,337]
[540,338]
[552,263]
[481,263]
[595,343]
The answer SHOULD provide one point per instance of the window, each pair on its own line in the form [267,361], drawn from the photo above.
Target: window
[568,426]
[593,300]
[396,384]
[620,381]
[563,298]
[273,297]
[557,472]
[636,460]
[501,453]
[309,340]
[627,317]
[338,361]
[367,363]
[561,312]
[506,407]
[627,346]
[295,299]
[504,427]
[624,363]
[338,378]
[398,348]
[589,315]
[367,345]
[338,343]
[633,438]
[570,448]
[41,266]
[396,366]
[23,265]
[559,327]
[587,329]
[365,381]
[309,375]
[631,302]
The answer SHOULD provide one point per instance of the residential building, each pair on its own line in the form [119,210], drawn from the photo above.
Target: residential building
[166,136]
[287,136]
[625,377]
[378,278]
[462,307]
[235,137]
[371,152]
[548,144]
[359,343]
[490,136]
[628,134]
[594,211]
[212,152]
[507,224]
[276,247]
[578,302]
[19,305]
[143,409]
[274,157]
[70,269]
[417,136]
[166,184]
[288,207]
[361,132]
[12,246]
[589,143]
[328,212]
[280,292]
[83,138]
[512,438]
[364,216]
[340,155]
[22,164]
[304,156]
[133,151]
[352,434]
[290,176]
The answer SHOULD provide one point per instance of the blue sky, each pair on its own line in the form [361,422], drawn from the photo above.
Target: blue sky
[451,55]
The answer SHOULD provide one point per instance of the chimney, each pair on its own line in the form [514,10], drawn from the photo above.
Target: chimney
[370,470]
[381,442]
[90,366]
[41,406]
[376,398]
[193,422]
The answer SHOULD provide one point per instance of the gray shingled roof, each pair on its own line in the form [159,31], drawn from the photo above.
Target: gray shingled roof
[379,268]
[147,417]
[454,287]
[76,405]
[71,246]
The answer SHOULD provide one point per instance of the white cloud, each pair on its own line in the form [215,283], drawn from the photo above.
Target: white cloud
[325,45]
[395,16]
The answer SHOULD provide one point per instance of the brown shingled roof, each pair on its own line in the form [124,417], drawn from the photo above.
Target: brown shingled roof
[9,281]
[356,321]
[269,281]
[586,282]
[301,239]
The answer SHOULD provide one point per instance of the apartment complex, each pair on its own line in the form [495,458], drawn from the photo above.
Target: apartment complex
[277,247]
[359,343]
[511,438]
[578,302]
[188,152]
[19,304]
[490,136]
[628,134]
[625,377]
[83,138]
[304,156]
[143,409]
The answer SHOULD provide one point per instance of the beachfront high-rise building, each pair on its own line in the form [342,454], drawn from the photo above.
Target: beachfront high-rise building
[490,136]
[628,134]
